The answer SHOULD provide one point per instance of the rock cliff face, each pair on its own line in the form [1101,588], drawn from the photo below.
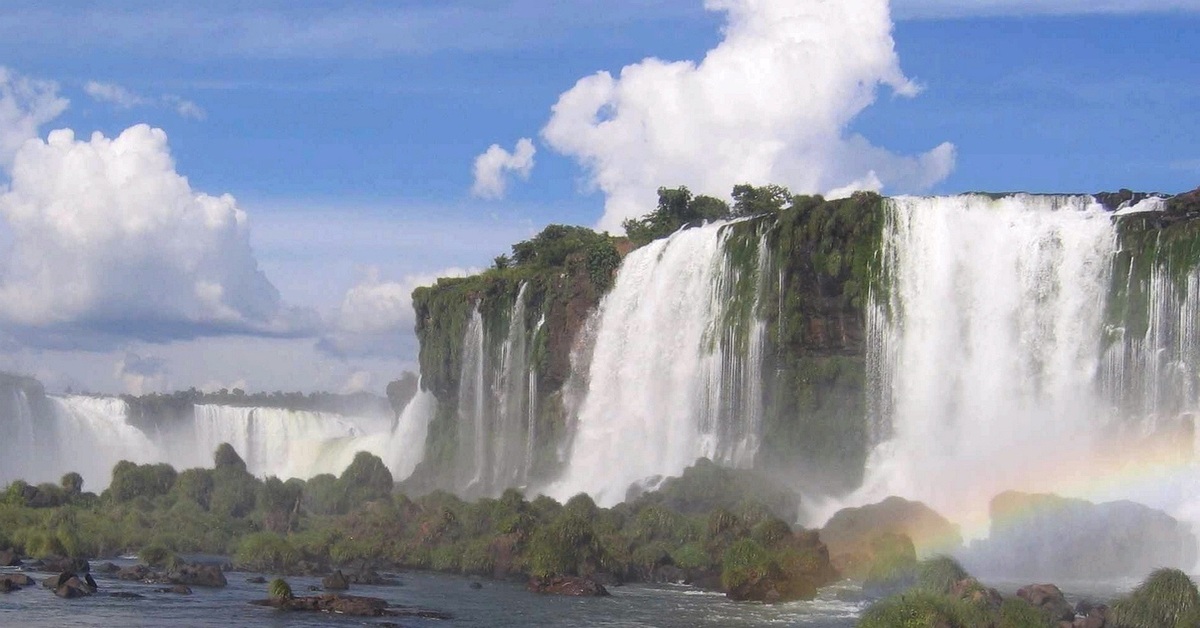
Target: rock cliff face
[808,295]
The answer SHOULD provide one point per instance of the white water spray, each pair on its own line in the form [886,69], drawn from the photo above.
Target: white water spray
[667,382]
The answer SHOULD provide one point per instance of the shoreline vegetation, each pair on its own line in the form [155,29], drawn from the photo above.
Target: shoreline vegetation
[714,528]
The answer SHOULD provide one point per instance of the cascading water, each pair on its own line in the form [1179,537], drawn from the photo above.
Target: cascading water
[987,362]
[90,435]
[497,414]
[675,370]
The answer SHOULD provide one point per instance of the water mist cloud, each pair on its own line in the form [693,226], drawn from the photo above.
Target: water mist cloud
[769,104]
[494,165]
[109,241]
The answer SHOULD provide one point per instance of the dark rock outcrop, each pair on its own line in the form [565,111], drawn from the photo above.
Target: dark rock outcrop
[567,585]
[198,576]
[850,533]
[60,564]
[1057,537]
[352,605]
[1049,598]
[106,568]
[18,580]
[9,558]
[335,581]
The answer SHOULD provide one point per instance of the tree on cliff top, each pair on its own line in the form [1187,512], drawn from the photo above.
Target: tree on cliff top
[676,207]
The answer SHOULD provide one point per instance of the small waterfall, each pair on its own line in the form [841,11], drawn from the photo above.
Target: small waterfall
[92,435]
[675,371]
[495,407]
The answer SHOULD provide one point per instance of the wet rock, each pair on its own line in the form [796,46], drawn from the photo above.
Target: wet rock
[6,586]
[72,587]
[18,579]
[9,558]
[106,568]
[335,582]
[1058,537]
[257,580]
[198,576]
[1049,599]
[180,589]
[476,586]
[794,579]
[371,577]
[353,605]
[567,585]
[851,532]
[60,564]
[138,573]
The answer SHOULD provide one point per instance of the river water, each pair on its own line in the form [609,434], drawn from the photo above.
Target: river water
[496,604]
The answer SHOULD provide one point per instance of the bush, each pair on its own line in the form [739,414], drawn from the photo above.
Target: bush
[1167,599]
[745,562]
[1017,613]
[266,551]
[691,556]
[939,574]
[156,555]
[280,589]
[923,609]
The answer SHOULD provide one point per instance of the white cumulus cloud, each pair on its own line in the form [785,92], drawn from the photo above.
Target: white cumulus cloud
[494,165]
[769,104]
[109,241]
[376,317]
[25,105]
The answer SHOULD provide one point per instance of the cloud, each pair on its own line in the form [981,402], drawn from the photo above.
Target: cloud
[769,104]
[940,9]
[123,98]
[377,318]
[185,108]
[25,105]
[113,94]
[140,375]
[110,242]
[493,166]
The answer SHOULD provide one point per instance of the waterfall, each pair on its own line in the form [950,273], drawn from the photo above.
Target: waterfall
[675,370]
[496,413]
[992,364]
[90,435]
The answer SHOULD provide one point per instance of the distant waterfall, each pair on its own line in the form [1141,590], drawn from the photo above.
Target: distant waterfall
[90,435]
[496,407]
[675,372]
[996,363]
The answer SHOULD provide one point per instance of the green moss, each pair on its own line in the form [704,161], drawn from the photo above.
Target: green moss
[923,609]
[939,574]
[745,562]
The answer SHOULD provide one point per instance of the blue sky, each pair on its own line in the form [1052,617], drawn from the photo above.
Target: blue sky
[347,138]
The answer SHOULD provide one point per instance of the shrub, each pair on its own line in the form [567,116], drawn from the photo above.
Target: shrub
[280,589]
[265,551]
[1017,613]
[939,574]
[156,555]
[745,562]
[923,609]
[1167,599]
[690,556]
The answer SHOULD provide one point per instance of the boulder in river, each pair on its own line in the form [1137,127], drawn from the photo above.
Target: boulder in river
[197,575]
[335,581]
[1049,599]
[567,585]
[9,558]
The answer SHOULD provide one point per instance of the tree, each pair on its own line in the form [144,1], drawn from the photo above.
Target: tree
[366,479]
[227,456]
[749,200]
[72,484]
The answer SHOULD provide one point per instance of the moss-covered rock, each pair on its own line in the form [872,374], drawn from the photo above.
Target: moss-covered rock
[1167,599]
